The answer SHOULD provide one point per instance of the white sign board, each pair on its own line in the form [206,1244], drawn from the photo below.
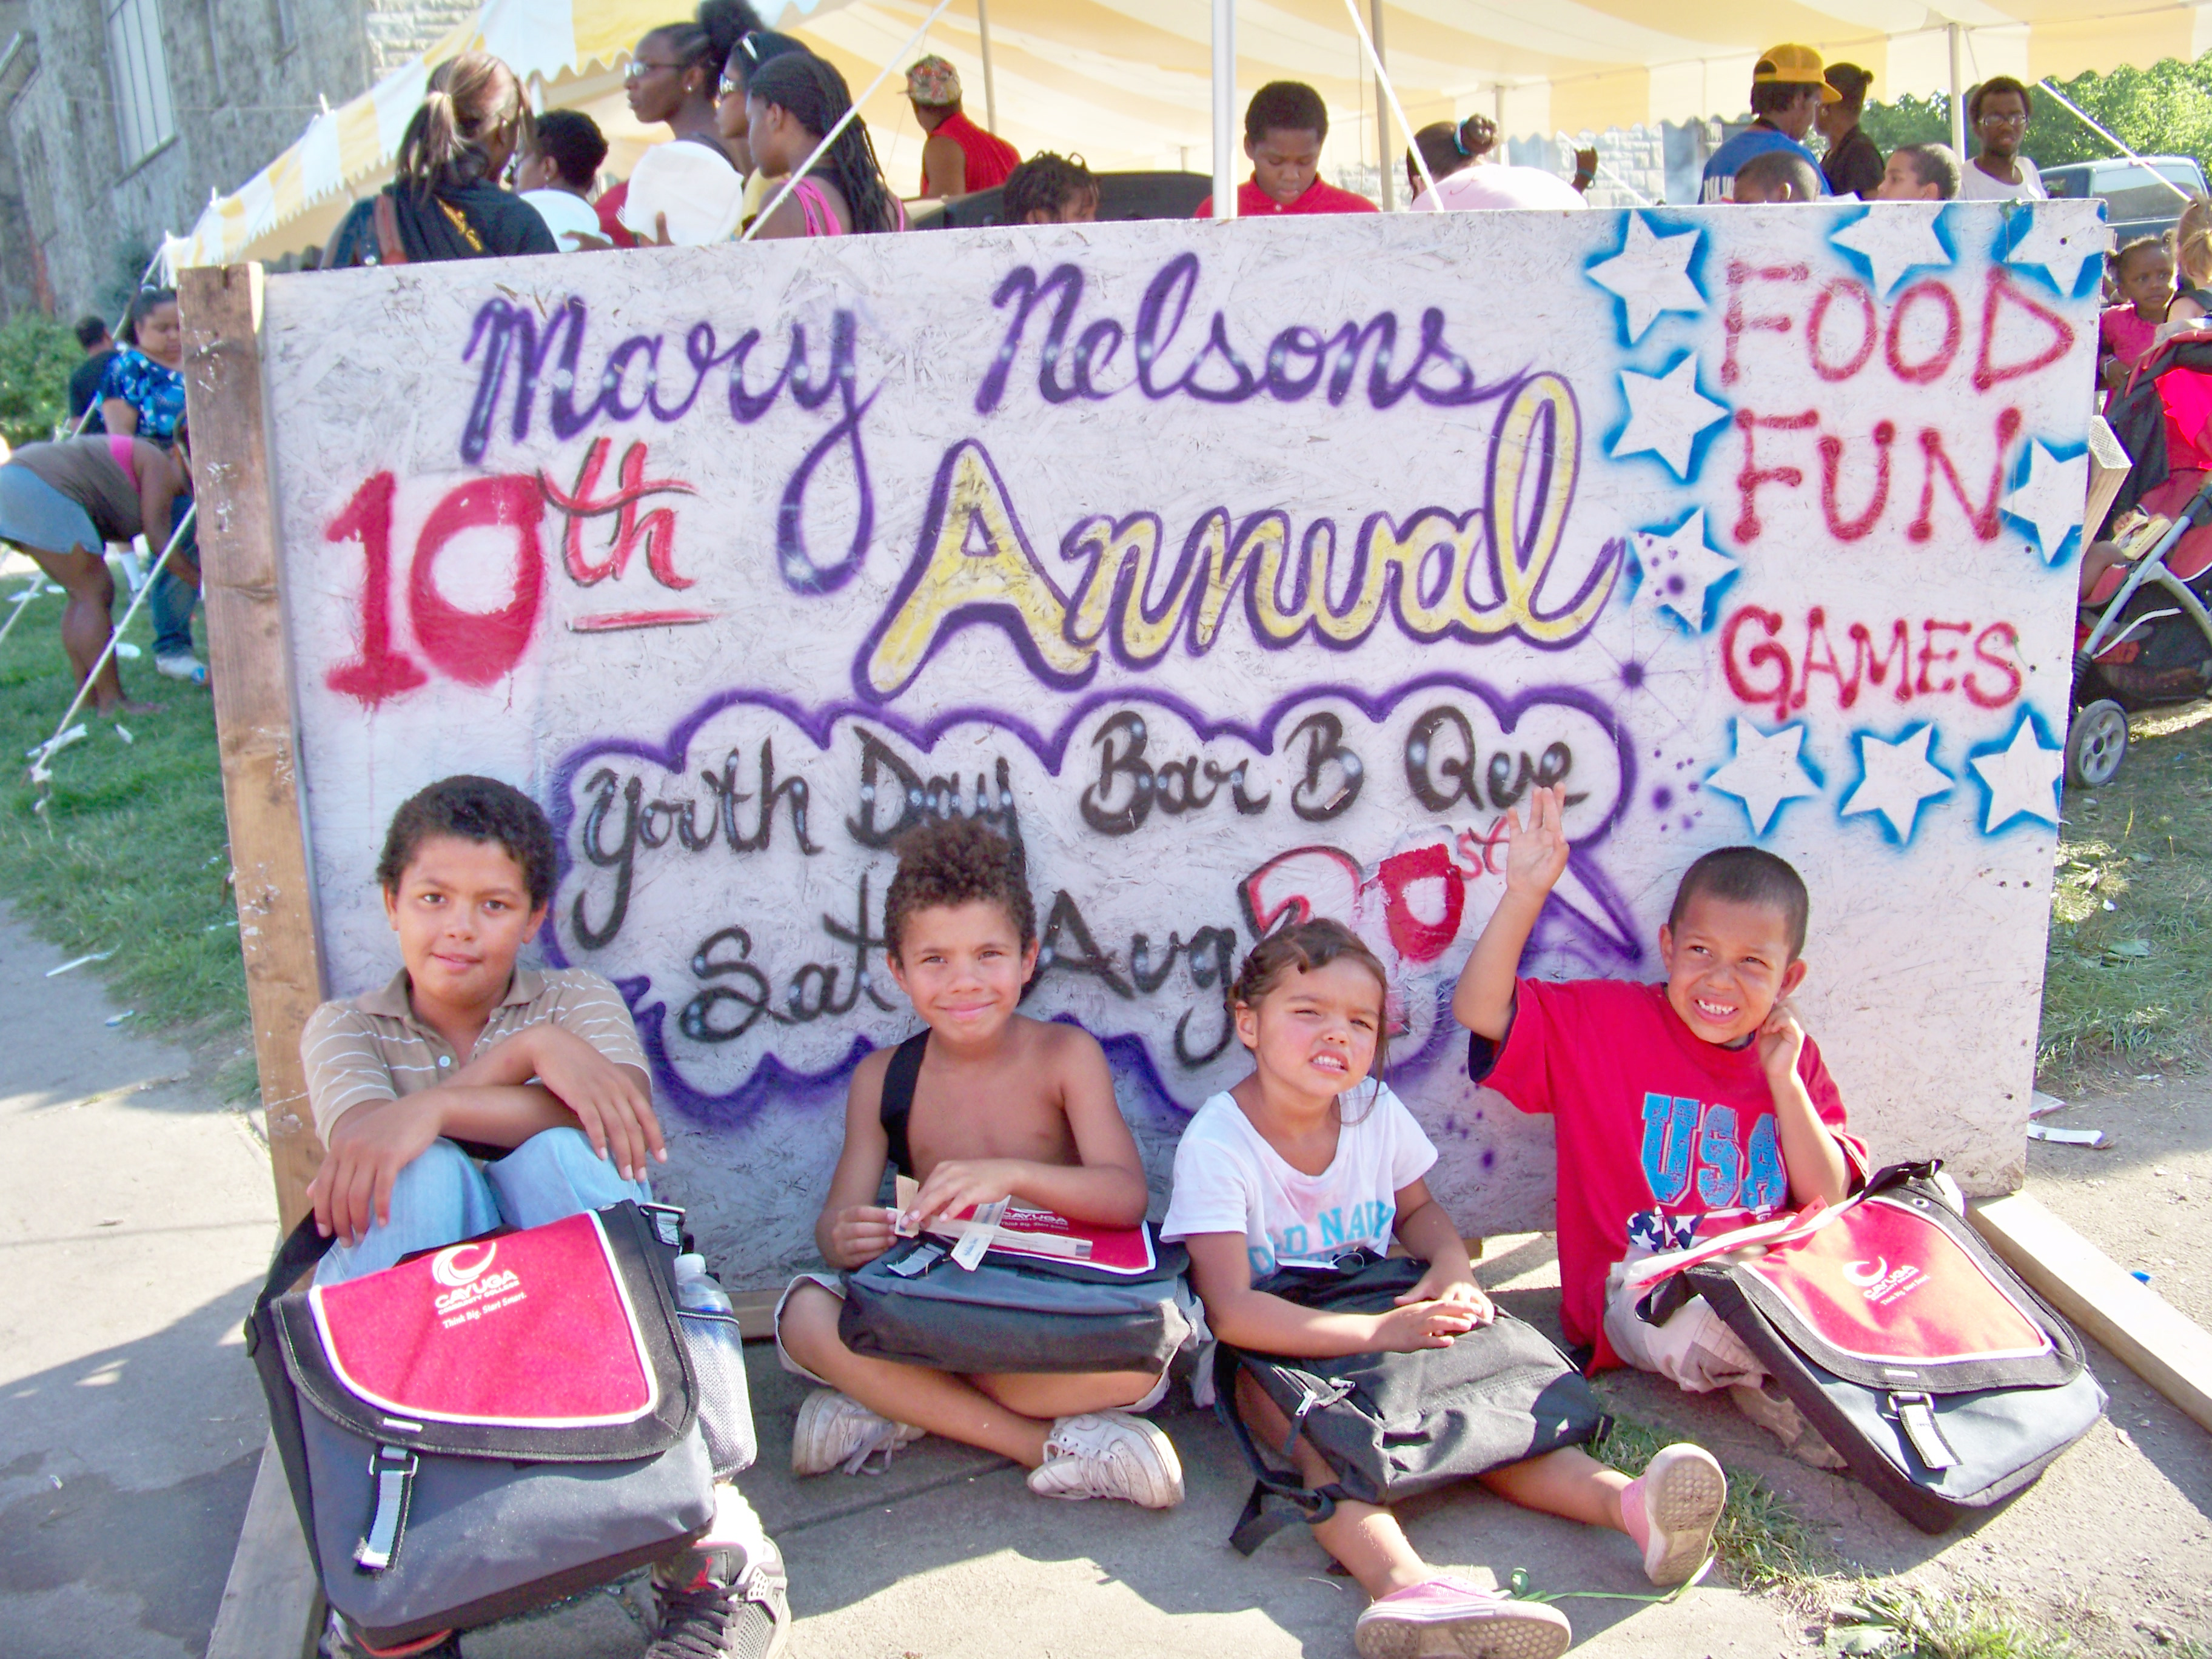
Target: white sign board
[1239,571]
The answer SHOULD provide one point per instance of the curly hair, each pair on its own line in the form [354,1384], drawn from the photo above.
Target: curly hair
[952,861]
[1042,184]
[1301,948]
[478,809]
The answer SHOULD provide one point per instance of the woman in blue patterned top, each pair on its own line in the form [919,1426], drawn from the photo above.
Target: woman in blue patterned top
[144,394]
[144,390]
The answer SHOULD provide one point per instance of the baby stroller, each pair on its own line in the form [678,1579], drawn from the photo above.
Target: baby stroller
[2143,635]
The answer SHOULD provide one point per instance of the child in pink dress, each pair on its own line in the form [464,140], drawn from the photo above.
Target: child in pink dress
[2142,272]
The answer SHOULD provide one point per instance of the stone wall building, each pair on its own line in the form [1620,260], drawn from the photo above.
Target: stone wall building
[120,117]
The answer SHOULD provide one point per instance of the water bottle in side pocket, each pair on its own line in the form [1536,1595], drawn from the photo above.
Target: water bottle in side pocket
[710,1328]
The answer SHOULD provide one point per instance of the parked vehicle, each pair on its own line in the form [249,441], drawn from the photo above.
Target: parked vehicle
[2135,202]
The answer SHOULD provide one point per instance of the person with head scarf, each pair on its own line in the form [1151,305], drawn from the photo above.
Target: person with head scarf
[444,201]
[959,158]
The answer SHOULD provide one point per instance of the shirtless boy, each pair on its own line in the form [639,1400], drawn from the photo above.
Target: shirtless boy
[1003,1105]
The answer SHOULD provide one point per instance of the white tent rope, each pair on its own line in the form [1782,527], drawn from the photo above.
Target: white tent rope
[2076,110]
[47,751]
[21,603]
[844,121]
[1382,79]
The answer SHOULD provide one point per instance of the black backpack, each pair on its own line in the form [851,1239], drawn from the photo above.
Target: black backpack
[1945,1383]
[1393,1425]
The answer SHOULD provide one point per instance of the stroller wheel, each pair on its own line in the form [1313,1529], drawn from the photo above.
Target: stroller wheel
[2096,743]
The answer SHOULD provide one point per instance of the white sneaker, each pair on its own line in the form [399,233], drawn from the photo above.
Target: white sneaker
[183,666]
[836,1429]
[1109,1454]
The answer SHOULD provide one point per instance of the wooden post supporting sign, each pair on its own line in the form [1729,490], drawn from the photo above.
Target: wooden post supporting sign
[252,675]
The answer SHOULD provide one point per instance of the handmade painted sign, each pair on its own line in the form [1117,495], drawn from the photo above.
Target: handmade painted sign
[1241,572]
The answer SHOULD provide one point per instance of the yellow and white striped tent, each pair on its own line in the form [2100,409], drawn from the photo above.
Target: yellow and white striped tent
[1127,83]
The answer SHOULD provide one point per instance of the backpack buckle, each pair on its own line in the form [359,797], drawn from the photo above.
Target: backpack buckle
[1915,1415]
[393,1469]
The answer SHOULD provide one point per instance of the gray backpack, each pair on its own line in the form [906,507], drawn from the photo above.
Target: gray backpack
[489,1427]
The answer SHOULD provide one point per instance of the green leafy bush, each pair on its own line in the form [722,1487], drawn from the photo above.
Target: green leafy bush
[37,355]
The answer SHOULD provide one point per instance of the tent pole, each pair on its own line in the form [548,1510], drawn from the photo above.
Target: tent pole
[1382,113]
[1958,33]
[1225,109]
[990,86]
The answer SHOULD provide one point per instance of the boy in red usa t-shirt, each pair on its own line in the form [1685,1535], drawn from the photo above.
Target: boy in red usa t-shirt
[1682,1109]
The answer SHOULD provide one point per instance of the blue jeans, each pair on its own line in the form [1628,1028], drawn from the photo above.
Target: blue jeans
[446,1196]
[169,607]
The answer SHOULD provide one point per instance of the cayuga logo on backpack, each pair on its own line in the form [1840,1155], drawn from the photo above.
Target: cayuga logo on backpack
[472,1288]
[1879,1282]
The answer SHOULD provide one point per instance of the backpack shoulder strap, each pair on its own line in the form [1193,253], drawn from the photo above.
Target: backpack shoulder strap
[1312,1504]
[898,1097]
[390,250]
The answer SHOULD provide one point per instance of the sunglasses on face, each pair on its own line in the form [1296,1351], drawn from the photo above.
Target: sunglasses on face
[639,68]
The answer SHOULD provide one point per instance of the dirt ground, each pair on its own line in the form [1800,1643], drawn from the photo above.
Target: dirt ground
[2146,1200]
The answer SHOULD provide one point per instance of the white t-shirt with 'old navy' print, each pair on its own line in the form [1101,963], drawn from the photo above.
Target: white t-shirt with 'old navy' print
[1229,1180]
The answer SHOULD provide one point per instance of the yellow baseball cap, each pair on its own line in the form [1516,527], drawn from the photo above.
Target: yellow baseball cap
[1794,66]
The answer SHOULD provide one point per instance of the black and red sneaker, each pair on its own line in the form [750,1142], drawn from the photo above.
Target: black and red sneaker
[724,1602]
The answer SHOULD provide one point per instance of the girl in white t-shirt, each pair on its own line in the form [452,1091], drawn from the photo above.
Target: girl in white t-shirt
[1306,1159]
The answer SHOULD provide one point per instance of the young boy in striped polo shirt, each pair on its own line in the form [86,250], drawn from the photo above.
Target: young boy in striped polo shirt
[465,1055]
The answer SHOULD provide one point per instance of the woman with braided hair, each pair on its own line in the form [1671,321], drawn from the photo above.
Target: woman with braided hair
[444,201]
[790,103]
[1464,159]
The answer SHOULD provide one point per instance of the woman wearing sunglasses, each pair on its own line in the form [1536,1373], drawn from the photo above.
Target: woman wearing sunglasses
[754,48]
[672,80]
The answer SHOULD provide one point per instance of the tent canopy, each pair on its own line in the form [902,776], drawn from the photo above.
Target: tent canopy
[1127,83]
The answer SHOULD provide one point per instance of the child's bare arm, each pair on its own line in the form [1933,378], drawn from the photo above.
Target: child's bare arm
[852,1229]
[493,1100]
[1245,1318]
[1535,857]
[504,1093]
[1428,1233]
[1815,1163]
[1106,1188]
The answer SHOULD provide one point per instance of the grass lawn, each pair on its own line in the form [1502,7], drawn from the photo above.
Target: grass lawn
[131,855]
[2129,981]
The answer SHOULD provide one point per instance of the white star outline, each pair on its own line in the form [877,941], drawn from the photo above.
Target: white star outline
[1894,239]
[2060,256]
[1667,416]
[1681,556]
[1650,274]
[1895,778]
[2051,497]
[1769,770]
[2019,776]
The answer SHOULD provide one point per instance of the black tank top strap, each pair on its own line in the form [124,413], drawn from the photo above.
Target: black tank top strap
[898,1097]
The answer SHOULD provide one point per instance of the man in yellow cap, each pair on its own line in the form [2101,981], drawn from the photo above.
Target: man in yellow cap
[1787,90]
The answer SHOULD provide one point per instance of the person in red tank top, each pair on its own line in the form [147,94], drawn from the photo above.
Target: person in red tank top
[959,158]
